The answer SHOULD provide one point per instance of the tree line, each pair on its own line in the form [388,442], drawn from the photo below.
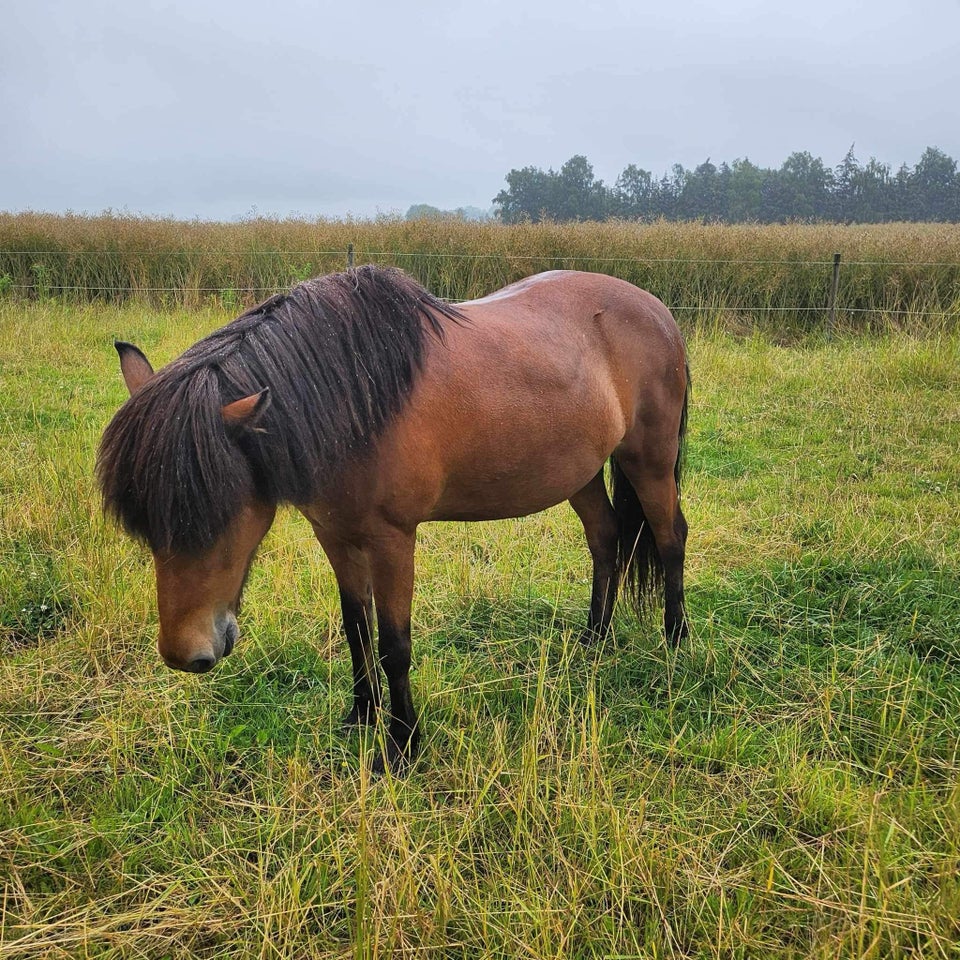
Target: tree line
[803,188]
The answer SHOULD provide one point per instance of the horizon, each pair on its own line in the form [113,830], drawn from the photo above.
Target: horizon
[466,211]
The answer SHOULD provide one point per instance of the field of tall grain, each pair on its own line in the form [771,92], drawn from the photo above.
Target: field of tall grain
[786,784]
[905,275]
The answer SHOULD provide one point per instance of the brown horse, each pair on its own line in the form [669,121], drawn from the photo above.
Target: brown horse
[372,407]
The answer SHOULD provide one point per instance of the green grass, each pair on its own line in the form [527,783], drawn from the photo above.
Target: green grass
[786,784]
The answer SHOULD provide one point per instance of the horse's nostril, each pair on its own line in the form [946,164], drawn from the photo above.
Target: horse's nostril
[200,664]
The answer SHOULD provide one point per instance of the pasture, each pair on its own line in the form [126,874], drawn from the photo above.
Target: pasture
[784,784]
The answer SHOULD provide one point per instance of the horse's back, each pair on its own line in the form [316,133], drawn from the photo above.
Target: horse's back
[568,328]
[522,403]
[574,291]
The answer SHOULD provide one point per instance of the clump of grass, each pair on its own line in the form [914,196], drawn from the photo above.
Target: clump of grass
[35,604]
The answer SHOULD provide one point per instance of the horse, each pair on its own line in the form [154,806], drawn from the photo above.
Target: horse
[372,406]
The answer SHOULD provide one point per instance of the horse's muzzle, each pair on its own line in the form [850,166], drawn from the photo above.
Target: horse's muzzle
[205,656]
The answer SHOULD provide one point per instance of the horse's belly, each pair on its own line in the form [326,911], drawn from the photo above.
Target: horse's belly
[514,486]
[499,500]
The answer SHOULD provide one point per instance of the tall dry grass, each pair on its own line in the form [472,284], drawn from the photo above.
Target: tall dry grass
[774,275]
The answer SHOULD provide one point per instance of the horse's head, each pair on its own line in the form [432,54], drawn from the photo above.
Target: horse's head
[198,586]
[198,595]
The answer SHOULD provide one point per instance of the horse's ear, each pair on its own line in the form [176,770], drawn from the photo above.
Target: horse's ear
[134,366]
[243,412]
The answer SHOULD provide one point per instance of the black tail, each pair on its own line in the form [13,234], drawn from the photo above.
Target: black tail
[638,561]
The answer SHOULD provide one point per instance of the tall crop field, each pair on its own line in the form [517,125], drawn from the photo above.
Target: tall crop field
[776,277]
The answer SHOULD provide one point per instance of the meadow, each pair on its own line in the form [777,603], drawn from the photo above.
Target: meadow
[784,784]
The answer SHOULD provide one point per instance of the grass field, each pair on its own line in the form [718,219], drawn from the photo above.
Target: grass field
[786,784]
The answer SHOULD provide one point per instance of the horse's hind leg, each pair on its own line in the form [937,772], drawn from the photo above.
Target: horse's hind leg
[592,506]
[649,466]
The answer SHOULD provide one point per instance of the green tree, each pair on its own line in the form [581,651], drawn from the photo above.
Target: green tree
[702,194]
[799,190]
[934,187]
[875,200]
[578,195]
[529,196]
[635,194]
[423,211]
[803,188]
[745,191]
[847,182]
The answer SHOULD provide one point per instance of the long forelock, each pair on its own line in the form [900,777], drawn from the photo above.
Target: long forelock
[167,469]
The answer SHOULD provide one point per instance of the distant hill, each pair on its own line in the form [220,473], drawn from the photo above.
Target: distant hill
[424,211]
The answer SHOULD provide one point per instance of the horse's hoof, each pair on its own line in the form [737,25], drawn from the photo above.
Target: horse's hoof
[361,715]
[396,758]
[591,636]
[677,633]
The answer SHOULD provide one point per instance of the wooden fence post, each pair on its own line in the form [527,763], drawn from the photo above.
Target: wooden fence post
[349,256]
[832,320]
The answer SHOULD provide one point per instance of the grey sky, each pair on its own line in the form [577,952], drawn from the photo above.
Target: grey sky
[214,108]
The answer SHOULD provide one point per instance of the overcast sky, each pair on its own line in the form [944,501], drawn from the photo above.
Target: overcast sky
[221,108]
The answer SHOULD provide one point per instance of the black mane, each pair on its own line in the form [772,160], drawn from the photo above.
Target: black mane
[339,355]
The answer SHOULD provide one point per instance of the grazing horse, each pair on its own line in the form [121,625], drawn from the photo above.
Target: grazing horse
[371,406]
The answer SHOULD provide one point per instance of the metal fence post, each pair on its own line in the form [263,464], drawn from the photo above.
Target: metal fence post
[832,319]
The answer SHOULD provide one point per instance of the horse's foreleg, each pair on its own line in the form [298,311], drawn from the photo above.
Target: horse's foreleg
[391,560]
[592,506]
[352,570]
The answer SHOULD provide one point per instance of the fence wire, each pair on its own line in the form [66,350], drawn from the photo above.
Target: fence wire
[441,255]
[692,308]
[42,287]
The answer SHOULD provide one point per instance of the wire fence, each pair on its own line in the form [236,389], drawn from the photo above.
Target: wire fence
[446,255]
[690,285]
[680,308]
